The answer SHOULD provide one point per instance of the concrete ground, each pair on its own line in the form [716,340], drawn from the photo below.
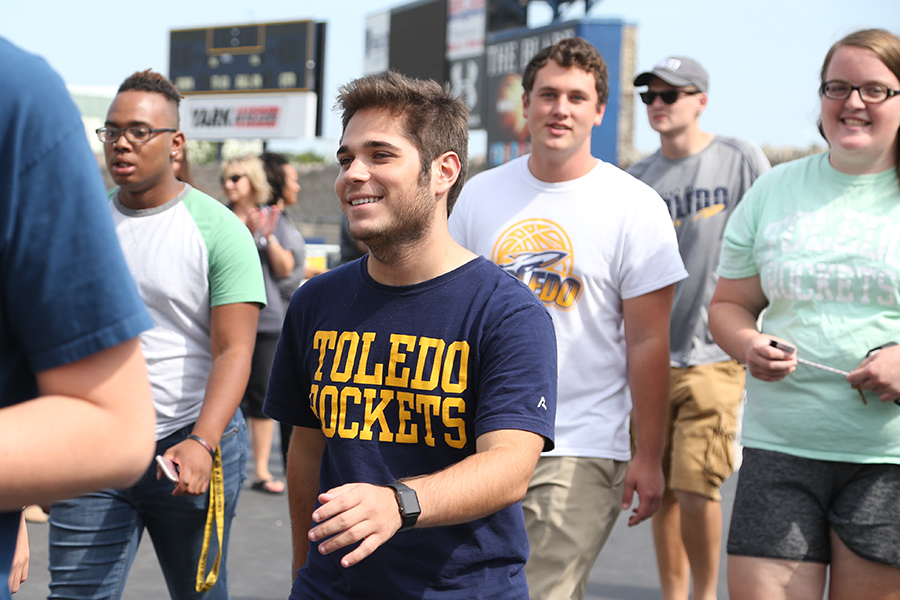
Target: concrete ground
[260,556]
[626,568]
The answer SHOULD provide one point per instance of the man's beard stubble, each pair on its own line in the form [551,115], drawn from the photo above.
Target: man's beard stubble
[399,238]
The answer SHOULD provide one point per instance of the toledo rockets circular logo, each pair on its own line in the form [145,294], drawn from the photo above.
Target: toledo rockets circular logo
[539,252]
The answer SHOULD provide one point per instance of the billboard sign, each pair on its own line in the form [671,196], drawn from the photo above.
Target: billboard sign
[378,37]
[466,76]
[466,30]
[417,44]
[466,27]
[218,117]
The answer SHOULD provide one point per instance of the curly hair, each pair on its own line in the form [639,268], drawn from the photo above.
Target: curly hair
[569,52]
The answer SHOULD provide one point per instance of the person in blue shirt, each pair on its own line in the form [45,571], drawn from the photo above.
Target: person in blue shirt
[76,413]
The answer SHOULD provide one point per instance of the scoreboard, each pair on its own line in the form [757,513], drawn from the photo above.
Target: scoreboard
[264,57]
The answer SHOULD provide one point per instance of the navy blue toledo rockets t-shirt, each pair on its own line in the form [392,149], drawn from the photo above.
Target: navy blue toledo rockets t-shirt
[402,380]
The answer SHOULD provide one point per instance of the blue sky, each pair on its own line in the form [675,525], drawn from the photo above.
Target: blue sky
[763,56]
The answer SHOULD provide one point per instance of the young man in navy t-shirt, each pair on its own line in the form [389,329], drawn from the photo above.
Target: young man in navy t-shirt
[421,379]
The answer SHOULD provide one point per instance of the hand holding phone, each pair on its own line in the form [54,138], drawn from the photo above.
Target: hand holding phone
[784,347]
[167,468]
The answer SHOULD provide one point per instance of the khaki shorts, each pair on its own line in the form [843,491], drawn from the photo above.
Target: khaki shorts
[570,509]
[703,413]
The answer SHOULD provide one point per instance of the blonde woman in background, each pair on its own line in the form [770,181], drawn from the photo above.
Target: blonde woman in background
[248,192]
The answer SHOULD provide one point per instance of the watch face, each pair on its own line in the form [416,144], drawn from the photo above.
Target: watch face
[409,503]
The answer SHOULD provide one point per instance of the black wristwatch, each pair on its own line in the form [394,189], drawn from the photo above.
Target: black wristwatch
[874,350]
[408,503]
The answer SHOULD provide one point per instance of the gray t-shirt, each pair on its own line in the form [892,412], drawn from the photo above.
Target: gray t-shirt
[278,291]
[701,191]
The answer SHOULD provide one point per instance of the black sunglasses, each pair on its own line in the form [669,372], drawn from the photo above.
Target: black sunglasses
[668,96]
[233,178]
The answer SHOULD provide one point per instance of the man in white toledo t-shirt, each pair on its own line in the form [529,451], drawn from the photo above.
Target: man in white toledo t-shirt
[598,248]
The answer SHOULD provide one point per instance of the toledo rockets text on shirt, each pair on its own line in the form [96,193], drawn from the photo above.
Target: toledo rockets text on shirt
[425,376]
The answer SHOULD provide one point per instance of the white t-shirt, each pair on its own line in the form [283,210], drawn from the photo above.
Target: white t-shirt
[186,256]
[583,246]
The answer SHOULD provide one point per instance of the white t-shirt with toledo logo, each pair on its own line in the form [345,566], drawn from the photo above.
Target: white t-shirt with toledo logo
[583,246]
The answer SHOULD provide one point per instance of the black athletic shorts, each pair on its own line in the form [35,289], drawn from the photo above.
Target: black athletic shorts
[785,507]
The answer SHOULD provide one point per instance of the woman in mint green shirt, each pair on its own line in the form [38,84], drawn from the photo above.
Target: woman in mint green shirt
[816,243]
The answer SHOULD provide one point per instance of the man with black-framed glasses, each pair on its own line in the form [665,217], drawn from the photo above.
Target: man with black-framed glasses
[198,272]
[702,177]
[135,135]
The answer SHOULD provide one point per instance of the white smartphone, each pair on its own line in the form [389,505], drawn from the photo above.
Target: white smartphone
[168,468]
[782,346]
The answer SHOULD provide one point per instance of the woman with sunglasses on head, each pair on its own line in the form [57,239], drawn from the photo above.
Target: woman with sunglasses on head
[248,191]
[815,242]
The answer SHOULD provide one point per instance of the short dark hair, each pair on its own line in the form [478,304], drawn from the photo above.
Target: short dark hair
[571,52]
[273,164]
[151,81]
[433,119]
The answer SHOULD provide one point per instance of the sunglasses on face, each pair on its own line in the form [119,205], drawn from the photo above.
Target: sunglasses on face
[233,179]
[668,96]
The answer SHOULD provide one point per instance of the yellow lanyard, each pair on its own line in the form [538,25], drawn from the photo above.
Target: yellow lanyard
[215,513]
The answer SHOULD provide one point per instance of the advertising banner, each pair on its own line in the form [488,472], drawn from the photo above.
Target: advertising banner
[466,30]
[378,38]
[466,27]
[249,116]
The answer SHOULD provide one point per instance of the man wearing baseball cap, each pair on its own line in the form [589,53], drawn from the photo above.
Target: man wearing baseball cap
[702,177]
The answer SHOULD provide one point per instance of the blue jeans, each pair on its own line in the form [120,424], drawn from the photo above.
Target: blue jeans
[94,538]
[9,530]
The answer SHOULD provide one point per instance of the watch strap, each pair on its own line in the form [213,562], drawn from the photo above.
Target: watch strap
[408,503]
